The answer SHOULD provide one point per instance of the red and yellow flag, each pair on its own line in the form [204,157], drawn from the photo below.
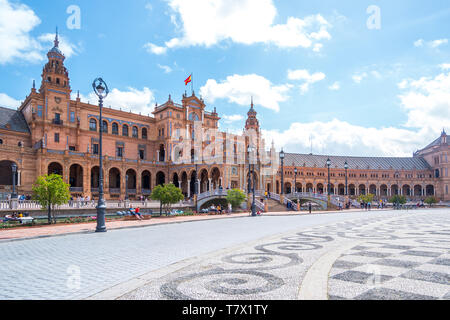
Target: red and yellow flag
[188,80]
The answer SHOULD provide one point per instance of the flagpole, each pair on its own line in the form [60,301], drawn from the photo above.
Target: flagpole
[192,82]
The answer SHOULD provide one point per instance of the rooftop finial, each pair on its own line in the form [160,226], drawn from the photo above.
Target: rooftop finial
[34,84]
[56,38]
[443,132]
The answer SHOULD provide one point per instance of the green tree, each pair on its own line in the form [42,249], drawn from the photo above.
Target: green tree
[366,198]
[167,195]
[430,201]
[235,197]
[50,191]
[398,199]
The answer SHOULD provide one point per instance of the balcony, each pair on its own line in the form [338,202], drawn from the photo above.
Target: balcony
[76,189]
[114,190]
[58,122]
[146,191]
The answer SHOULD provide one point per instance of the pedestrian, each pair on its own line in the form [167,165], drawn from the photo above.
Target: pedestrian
[310,207]
[230,208]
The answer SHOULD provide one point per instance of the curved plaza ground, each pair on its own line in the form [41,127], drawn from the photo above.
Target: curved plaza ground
[346,255]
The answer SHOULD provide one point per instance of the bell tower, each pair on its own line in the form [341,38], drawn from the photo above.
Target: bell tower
[252,122]
[55,75]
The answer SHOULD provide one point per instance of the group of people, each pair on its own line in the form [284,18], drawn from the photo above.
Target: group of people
[81,201]
[20,197]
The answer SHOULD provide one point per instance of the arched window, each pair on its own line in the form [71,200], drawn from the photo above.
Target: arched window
[105,126]
[125,130]
[144,133]
[115,128]
[93,125]
[135,132]
[1,141]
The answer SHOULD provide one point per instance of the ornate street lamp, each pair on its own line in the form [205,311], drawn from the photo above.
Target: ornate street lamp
[329,183]
[295,180]
[251,173]
[346,177]
[196,182]
[102,91]
[282,156]
[126,187]
[14,171]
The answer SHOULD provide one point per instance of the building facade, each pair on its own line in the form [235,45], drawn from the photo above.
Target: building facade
[52,133]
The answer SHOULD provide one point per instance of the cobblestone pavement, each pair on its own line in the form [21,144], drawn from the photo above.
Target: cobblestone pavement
[77,266]
[394,255]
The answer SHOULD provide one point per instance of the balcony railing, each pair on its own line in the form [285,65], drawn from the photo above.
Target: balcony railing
[58,122]
[76,189]
[131,191]
[146,191]
[114,190]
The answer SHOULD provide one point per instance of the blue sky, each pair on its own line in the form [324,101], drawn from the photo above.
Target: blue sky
[315,69]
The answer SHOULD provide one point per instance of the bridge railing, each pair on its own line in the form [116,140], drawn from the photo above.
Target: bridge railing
[216,192]
[259,205]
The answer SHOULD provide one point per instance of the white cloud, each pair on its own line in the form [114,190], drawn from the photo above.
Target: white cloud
[153,48]
[437,43]
[306,77]
[138,101]
[8,102]
[166,69]
[427,101]
[357,78]
[233,118]
[419,43]
[335,86]
[427,105]
[338,137]
[445,66]
[16,22]
[240,88]
[431,44]
[207,23]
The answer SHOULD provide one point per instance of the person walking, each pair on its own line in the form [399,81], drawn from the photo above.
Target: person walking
[310,207]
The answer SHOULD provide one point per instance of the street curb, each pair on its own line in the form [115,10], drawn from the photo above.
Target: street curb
[315,283]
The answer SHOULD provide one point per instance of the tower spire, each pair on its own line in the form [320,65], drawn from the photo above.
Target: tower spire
[56,42]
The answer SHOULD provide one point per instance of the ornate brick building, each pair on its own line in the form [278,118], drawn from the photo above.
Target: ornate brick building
[51,133]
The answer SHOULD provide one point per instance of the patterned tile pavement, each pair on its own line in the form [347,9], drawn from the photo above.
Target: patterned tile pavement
[397,256]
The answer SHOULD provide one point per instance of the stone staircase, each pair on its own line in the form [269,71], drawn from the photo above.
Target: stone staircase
[275,206]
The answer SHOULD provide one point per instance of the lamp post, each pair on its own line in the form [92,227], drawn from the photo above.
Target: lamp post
[14,171]
[251,175]
[101,90]
[282,156]
[196,186]
[346,178]
[126,187]
[329,183]
[295,180]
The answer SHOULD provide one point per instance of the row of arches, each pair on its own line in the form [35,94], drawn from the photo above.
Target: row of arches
[125,129]
[361,189]
[207,180]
